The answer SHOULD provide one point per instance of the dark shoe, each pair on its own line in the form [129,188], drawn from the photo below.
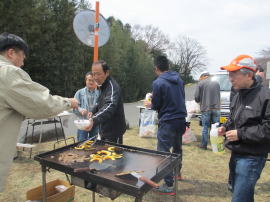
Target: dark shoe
[15,157]
[165,190]
[202,147]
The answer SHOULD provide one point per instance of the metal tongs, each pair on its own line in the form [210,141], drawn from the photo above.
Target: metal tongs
[96,138]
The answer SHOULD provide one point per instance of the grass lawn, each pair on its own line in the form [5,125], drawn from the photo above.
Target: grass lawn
[205,175]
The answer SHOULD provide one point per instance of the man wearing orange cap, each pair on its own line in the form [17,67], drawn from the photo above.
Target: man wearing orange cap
[247,130]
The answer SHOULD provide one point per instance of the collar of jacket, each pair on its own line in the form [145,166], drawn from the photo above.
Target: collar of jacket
[106,82]
[4,59]
[255,84]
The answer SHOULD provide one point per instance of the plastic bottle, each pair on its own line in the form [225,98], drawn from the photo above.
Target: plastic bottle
[216,141]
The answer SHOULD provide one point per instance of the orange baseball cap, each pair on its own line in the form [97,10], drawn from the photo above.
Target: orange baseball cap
[241,61]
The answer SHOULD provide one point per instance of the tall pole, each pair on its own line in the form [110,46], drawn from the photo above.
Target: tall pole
[96,33]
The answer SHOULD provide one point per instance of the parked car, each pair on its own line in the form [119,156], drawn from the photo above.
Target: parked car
[225,91]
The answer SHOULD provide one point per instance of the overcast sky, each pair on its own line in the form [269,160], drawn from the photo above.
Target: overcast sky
[226,28]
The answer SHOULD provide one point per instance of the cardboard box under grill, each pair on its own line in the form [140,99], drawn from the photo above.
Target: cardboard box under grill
[52,194]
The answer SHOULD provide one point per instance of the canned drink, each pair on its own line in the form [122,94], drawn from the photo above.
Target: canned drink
[148,97]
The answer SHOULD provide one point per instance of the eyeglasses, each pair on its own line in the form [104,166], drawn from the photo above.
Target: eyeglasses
[96,73]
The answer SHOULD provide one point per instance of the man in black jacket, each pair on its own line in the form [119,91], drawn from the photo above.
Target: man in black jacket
[247,130]
[109,113]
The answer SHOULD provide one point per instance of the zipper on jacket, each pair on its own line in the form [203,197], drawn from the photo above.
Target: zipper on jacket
[238,110]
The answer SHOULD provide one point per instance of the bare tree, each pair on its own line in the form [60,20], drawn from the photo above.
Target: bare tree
[156,41]
[265,53]
[264,57]
[187,56]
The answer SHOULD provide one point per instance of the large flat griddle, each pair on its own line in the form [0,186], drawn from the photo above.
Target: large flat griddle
[154,164]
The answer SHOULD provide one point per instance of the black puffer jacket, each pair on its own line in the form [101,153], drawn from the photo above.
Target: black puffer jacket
[109,113]
[250,115]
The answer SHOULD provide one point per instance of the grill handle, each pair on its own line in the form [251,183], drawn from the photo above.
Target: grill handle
[78,170]
[149,182]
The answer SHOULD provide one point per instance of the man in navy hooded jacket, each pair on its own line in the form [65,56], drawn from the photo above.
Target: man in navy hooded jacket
[169,100]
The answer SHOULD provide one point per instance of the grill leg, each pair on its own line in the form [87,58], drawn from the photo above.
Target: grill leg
[40,134]
[32,137]
[55,128]
[25,137]
[138,199]
[30,153]
[93,196]
[68,178]
[176,171]
[43,169]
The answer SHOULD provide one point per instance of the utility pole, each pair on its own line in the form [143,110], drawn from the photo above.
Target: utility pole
[96,33]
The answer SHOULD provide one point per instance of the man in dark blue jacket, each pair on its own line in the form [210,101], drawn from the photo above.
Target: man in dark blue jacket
[169,100]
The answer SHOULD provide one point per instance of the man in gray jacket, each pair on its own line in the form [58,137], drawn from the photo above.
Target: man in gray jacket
[208,95]
[20,97]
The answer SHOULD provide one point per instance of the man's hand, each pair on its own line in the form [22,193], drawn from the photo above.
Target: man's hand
[232,136]
[147,104]
[90,126]
[221,131]
[83,112]
[89,115]
[74,103]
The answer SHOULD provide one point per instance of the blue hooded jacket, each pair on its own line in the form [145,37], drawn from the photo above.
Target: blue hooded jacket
[169,96]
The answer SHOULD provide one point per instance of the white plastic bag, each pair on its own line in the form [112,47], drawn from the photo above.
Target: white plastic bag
[192,107]
[148,127]
[188,136]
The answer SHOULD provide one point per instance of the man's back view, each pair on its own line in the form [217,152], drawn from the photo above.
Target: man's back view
[208,95]
[169,100]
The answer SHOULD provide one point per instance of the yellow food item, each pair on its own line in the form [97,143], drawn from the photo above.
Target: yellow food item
[80,147]
[92,155]
[107,153]
[108,157]
[118,156]
[88,148]
[111,149]
[96,159]
[89,142]
[104,155]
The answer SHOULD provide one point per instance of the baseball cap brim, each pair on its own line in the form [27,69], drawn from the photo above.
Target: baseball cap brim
[231,67]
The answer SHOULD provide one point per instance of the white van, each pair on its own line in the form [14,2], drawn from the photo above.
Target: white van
[225,91]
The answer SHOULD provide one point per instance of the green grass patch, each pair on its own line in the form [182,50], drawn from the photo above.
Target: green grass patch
[205,175]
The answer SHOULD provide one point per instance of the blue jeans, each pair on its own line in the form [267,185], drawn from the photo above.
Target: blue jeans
[245,171]
[208,118]
[83,135]
[170,136]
